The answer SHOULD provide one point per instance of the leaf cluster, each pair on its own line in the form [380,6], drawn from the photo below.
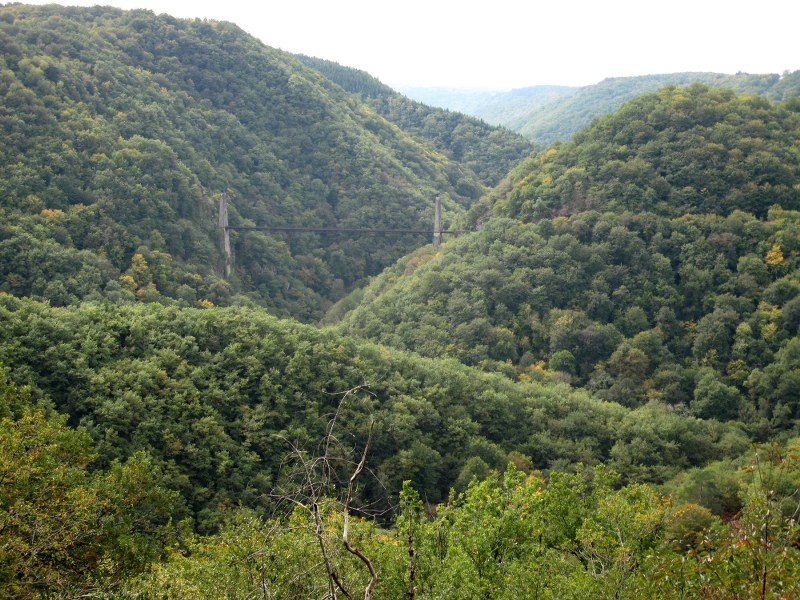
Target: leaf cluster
[67,531]
[521,535]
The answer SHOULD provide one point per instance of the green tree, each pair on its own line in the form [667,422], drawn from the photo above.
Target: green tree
[66,531]
[714,399]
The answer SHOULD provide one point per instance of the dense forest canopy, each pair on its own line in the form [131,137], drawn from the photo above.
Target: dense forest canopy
[120,129]
[595,394]
[490,152]
[641,261]
[197,417]
[693,150]
[196,414]
[217,395]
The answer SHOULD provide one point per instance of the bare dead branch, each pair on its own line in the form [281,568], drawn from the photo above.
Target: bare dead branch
[312,478]
[412,558]
[333,577]
[345,532]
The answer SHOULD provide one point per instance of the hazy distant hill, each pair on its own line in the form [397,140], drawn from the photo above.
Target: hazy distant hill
[544,114]
[120,129]
[489,151]
[561,119]
[498,107]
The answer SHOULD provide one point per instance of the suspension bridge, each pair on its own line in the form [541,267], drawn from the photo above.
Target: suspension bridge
[225,241]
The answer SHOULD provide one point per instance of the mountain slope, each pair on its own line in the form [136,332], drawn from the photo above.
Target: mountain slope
[120,129]
[624,262]
[493,106]
[488,151]
[677,151]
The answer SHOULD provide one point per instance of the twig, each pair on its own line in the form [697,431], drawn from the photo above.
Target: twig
[345,532]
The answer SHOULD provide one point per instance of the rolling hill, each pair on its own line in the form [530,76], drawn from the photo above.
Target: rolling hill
[120,129]
[652,258]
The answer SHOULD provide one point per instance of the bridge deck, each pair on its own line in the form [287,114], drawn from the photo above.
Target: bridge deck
[339,230]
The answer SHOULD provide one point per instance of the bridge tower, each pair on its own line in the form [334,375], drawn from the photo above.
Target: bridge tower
[437,223]
[225,238]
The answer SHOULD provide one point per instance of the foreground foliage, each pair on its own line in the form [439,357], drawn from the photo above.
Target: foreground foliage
[568,536]
[66,530]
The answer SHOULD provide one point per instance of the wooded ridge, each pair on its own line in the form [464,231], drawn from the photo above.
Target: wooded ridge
[594,392]
[122,128]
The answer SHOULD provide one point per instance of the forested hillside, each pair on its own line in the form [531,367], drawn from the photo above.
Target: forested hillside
[653,258]
[196,420]
[694,150]
[120,129]
[217,397]
[496,107]
[595,394]
[488,151]
[215,448]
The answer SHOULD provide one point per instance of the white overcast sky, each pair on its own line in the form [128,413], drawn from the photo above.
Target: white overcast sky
[504,44]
